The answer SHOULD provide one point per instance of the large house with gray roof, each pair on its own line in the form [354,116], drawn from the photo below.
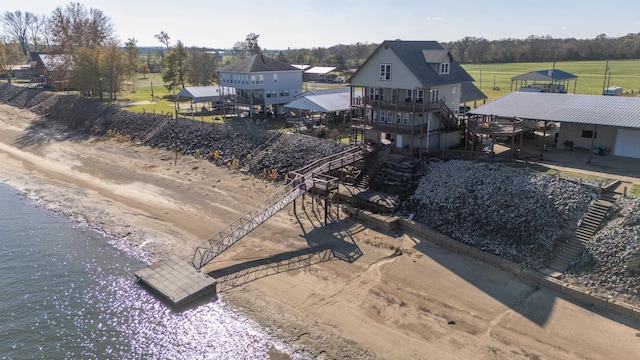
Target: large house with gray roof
[261,82]
[412,93]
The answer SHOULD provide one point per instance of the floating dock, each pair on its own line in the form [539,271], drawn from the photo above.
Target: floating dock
[176,281]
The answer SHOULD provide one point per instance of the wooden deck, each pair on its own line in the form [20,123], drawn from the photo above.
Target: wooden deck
[176,281]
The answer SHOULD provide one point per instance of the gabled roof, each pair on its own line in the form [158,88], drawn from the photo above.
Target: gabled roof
[257,63]
[546,75]
[619,111]
[323,103]
[470,92]
[301,66]
[435,56]
[201,94]
[414,55]
[51,61]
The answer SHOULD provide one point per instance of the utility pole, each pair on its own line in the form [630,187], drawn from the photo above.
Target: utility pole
[604,83]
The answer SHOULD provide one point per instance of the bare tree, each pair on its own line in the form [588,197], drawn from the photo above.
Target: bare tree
[251,44]
[16,25]
[164,38]
[37,28]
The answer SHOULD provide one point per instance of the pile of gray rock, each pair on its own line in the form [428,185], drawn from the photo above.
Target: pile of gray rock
[611,262]
[187,136]
[513,213]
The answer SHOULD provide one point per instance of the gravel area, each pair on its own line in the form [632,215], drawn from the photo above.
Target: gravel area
[611,262]
[513,213]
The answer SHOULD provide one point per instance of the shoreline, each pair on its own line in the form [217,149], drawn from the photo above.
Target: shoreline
[375,306]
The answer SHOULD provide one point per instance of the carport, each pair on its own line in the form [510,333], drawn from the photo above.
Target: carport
[319,106]
[205,94]
[602,125]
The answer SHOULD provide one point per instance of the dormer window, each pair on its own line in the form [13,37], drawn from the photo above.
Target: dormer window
[444,68]
[385,72]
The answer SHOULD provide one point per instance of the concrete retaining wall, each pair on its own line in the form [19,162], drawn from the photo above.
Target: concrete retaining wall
[533,276]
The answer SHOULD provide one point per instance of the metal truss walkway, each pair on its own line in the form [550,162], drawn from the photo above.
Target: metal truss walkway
[308,177]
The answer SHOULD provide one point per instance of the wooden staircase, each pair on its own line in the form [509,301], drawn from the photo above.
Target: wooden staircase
[585,231]
[304,179]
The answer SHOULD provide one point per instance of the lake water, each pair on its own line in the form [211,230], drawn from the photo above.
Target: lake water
[69,292]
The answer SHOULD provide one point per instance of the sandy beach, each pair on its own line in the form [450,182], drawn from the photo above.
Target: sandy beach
[357,302]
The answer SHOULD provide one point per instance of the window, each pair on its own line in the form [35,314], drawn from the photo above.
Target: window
[444,68]
[420,96]
[589,134]
[383,116]
[435,95]
[453,90]
[398,117]
[394,95]
[390,117]
[374,94]
[409,97]
[257,79]
[385,71]
[405,118]
[275,78]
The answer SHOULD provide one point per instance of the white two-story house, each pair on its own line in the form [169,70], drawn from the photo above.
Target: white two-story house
[261,82]
[411,97]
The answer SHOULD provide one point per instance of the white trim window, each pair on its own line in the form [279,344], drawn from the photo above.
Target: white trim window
[453,90]
[390,117]
[444,68]
[409,97]
[383,116]
[435,95]
[374,93]
[385,72]
[398,117]
[257,79]
[275,78]
[405,118]
[420,96]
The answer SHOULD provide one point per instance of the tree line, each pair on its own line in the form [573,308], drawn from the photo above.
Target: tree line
[544,49]
[94,62]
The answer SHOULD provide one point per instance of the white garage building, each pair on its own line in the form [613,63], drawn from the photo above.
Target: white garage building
[610,123]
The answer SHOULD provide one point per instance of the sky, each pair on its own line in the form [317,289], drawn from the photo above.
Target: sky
[283,24]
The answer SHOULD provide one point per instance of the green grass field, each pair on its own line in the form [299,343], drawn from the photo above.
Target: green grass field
[624,73]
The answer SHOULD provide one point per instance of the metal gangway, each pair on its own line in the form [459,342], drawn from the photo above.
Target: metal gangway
[303,180]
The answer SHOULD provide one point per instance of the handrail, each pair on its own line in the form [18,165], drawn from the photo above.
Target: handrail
[303,180]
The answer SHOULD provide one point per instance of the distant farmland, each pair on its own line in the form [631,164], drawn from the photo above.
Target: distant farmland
[591,75]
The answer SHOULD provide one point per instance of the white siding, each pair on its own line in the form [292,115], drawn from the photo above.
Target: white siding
[369,75]
[627,143]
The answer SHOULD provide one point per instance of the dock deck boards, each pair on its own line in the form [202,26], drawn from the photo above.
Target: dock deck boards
[176,281]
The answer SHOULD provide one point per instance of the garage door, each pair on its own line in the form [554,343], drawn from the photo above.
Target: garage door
[627,143]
